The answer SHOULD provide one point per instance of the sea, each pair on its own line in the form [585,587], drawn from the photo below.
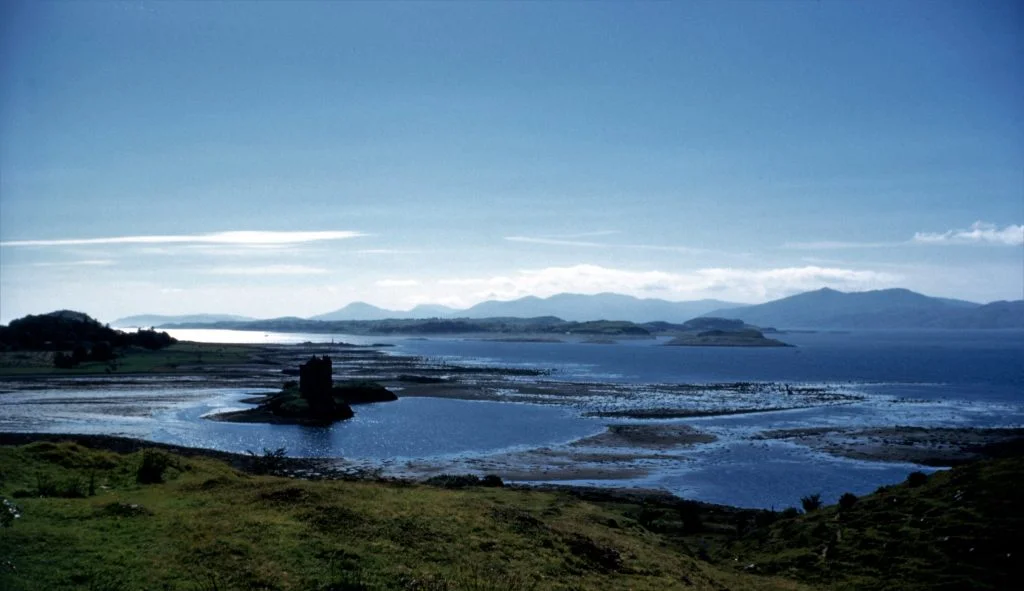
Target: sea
[907,378]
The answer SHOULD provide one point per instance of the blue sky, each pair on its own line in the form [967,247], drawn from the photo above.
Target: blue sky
[286,159]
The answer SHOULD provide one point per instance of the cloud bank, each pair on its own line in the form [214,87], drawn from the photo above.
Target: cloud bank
[726,283]
[978,233]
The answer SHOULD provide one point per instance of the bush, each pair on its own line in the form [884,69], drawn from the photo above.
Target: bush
[102,351]
[62,360]
[811,502]
[271,461]
[847,501]
[916,479]
[72,488]
[453,480]
[154,464]
[790,512]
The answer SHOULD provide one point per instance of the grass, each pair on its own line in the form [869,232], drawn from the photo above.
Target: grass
[956,529]
[210,527]
[131,361]
[87,522]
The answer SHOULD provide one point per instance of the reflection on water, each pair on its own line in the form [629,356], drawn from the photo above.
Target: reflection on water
[966,379]
[408,428]
[216,335]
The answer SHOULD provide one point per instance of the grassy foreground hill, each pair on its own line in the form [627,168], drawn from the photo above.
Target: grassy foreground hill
[96,519]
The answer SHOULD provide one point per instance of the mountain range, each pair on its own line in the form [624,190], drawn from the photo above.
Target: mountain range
[146,320]
[821,309]
[567,306]
[879,309]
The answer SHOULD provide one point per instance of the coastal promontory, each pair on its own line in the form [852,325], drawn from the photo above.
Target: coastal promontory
[722,332]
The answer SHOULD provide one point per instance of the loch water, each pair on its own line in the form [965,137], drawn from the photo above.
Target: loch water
[921,378]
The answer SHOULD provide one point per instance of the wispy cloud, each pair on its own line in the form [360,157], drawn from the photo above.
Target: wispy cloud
[385,251]
[740,284]
[82,263]
[267,270]
[837,245]
[978,233]
[554,241]
[566,241]
[396,283]
[238,238]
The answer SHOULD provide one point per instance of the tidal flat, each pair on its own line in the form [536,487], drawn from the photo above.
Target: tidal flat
[524,422]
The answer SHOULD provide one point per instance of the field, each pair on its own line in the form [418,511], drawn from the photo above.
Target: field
[175,358]
[97,519]
[209,526]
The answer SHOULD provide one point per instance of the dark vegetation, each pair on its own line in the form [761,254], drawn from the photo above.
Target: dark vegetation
[75,338]
[956,529]
[811,502]
[192,520]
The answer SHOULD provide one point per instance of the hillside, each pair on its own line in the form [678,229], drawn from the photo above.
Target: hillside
[364,311]
[67,330]
[957,529]
[95,519]
[147,516]
[881,309]
[574,307]
[147,320]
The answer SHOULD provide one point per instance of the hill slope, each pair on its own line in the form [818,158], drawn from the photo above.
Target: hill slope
[575,307]
[603,306]
[196,523]
[145,320]
[958,529]
[881,309]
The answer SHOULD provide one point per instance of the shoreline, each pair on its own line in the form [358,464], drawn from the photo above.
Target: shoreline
[644,424]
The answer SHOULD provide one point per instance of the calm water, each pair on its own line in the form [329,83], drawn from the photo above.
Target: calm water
[987,363]
[954,379]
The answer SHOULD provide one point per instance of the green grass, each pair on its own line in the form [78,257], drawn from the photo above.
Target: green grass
[961,529]
[208,526]
[87,523]
[134,360]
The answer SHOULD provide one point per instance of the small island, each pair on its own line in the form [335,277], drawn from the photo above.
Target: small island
[314,401]
[723,332]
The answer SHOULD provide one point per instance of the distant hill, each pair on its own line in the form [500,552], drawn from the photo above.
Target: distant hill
[66,330]
[880,309]
[156,319]
[602,306]
[573,307]
[364,311]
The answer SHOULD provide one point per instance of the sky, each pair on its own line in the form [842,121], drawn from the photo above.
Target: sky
[273,159]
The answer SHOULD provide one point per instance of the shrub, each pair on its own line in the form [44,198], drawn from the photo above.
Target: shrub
[154,464]
[72,488]
[811,502]
[271,461]
[916,479]
[63,361]
[847,501]
[453,480]
[790,512]
[102,351]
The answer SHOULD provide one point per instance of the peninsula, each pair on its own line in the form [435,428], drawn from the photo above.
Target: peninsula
[722,332]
